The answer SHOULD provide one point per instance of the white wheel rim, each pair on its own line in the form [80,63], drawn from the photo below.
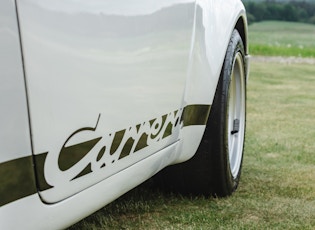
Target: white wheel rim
[236,115]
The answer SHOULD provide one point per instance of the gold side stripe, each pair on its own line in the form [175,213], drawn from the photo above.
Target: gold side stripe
[17,179]
[195,115]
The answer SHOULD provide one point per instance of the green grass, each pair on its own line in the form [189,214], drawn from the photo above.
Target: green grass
[274,38]
[277,188]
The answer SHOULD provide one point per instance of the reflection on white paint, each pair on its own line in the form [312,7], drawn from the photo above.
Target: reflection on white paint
[79,64]
[14,128]
[112,7]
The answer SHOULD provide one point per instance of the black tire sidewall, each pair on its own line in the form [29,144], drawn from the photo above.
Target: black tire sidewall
[223,180]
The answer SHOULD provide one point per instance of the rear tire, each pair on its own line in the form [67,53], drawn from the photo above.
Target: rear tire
[216,167]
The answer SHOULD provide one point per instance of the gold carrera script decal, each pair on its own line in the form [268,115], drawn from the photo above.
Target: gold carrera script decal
[106,149]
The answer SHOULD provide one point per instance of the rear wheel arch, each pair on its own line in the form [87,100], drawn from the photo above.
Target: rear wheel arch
[214,169]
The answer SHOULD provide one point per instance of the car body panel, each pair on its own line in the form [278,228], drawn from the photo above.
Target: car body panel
[71,210]
[17,178]
[14,132]
[94,75]
[116,91]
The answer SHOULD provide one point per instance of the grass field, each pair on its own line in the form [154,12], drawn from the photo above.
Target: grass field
[277,188]
[274,38]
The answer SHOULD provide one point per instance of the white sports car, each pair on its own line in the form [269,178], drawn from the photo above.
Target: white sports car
[98,96]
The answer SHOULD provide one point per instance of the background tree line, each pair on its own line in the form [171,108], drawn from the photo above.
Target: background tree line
[294,11]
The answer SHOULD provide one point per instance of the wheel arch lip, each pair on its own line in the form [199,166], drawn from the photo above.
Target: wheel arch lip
[242,27]
[213,27]
[214,24]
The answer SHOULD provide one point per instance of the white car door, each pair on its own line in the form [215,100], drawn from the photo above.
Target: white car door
[105,83]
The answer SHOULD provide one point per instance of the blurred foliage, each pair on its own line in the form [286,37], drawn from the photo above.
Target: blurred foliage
[293,11]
